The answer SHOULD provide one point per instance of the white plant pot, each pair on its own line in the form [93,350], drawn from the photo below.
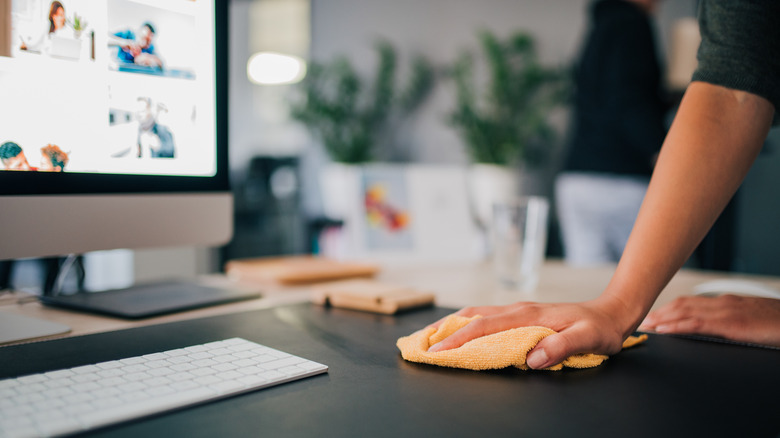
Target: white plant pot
[488,184]
[340,187]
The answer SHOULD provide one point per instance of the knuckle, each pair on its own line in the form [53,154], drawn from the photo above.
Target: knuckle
[679,303]
[478,326]
[528,309]
[467,311]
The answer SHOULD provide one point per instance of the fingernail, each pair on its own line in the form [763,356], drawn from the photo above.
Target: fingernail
[538,359]
[662,329]
[434,348]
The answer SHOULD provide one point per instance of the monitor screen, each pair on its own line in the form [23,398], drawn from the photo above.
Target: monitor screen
[112,125]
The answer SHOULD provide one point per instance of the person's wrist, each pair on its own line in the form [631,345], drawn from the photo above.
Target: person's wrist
[625,315]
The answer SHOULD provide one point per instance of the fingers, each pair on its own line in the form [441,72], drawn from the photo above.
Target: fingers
[466,312]
[681,309]
[472,330]
[547,354]
[469,312]
[682,326]
[556,348]
[693,315]
[475,329]
[581,327]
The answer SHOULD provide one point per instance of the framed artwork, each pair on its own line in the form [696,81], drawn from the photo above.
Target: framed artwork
[400,214]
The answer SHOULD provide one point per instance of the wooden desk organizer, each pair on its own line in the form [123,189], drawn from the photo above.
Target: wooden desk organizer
[370,296]
[296,269]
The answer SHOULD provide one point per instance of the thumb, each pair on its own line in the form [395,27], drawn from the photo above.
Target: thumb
[550,351]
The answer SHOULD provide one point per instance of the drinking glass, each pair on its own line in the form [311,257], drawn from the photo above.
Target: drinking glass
[519,235]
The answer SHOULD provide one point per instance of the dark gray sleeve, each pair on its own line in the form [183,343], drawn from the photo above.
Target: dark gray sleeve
[740,47]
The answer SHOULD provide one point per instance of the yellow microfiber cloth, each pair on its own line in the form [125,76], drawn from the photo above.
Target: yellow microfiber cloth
[496,351]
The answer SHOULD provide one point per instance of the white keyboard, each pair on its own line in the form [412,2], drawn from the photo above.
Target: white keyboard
[86,397]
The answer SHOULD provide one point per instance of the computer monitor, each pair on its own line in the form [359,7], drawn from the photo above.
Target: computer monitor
[118,117]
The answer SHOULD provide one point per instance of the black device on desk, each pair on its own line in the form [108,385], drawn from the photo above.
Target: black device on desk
[92,180]
[667,387]
[147,300]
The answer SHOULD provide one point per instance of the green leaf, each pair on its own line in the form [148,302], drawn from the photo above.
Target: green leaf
[348,112]
[510,121]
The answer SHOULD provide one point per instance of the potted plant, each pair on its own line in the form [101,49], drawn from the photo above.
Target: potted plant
[350,115]
[79,24]
[505,122]
[347,113]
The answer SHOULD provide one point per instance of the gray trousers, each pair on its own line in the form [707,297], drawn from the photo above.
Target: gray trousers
[596,214]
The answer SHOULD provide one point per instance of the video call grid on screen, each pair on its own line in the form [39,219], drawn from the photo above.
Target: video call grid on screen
[114,87]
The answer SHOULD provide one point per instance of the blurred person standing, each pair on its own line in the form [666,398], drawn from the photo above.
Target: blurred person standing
[618,130]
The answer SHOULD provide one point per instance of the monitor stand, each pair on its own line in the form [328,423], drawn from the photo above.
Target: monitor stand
[15,328]
[147,300]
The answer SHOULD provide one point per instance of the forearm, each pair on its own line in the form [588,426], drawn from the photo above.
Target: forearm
[116,41]
[709,149]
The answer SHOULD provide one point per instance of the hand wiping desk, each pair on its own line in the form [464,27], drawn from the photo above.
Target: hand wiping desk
[495,351]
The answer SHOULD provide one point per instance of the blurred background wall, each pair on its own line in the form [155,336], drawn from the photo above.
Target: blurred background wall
[261,125]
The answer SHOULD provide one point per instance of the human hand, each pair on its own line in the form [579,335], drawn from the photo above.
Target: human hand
[147,60]
[136,50]
[597,326]
[142,60]
[738,318]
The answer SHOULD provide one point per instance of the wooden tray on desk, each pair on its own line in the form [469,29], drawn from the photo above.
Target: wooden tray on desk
[371,296]
[297,269]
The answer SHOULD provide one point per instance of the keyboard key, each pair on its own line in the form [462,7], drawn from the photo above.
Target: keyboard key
[281,363]
[110,365]
[200,355]
[245,354]
[196,348]
[134,368]
[133,360]
[177,352]
[204,363]
[9,383]
[59,373]
[78,408]
[154,356]
[157,363]
[230,375]
[207,380]
[252,380]
[23,399]
[34,378]
[224,367]
[225,358]
[8,393]
[23,431]
[220,351]
[81,378]
[180,359]
[86,369]
[291,371]
[227,386]
[161,371]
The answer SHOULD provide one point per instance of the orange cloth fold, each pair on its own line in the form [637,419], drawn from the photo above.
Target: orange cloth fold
[496,351]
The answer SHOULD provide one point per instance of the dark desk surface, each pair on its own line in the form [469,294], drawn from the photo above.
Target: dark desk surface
[667,387]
